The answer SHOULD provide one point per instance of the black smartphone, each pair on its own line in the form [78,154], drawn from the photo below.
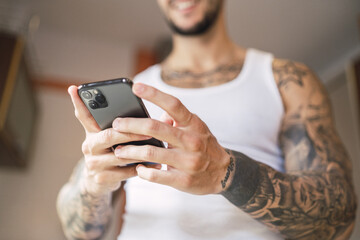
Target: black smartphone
[109,99]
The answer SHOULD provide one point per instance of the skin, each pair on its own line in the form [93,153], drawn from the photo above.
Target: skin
[312,199]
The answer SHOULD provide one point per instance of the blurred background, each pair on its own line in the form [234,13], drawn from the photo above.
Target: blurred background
[46,45]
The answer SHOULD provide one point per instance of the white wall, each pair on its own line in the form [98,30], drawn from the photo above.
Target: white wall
[27,202]
[27,197]
[81,58]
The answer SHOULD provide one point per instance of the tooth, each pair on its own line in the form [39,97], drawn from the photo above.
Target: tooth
[184,5]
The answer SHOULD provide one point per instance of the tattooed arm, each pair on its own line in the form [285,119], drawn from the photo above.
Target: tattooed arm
[82,215]
[314,198]
[84,203]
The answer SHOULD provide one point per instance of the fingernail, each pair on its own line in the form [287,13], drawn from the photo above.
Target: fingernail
[117,150]
[116,123]
[138,88]
[138,167]
[158,166]
[69,89]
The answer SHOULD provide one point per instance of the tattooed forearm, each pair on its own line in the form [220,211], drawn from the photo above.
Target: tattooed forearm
[83,216]
[307,205]
[314,198]
[245,179]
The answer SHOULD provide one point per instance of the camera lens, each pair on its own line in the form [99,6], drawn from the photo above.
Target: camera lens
[86,94]
[93,104]
[100,98]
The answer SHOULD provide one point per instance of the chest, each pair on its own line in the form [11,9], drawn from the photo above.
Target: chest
[244,113]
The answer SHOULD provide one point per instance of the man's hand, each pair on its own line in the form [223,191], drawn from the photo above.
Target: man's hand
[196,162]
[102,173]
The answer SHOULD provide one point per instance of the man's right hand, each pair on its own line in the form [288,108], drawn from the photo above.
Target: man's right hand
[103,172]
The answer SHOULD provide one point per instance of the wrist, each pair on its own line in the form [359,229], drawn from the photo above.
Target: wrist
[227,172]
[245,179]
[88,188]
[89,183]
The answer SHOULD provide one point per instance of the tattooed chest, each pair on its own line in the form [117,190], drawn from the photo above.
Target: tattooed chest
[192,79]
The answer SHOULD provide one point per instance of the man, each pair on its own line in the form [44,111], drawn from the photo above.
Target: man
[262,150]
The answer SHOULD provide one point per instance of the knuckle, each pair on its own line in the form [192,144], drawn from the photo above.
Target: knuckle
[88,146]
[122,124]
[149,152]
[91,165]
[152,176]
[151,92]
[179,134]
[85,148]
[100,179]
[127,136]
[107,135]
[153,126]
[195,163]
[194,142]
[175,104]
[196,119]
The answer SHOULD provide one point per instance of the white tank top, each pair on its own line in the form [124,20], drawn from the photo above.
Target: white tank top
[244,115]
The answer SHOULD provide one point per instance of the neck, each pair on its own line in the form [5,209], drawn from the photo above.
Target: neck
[204,52]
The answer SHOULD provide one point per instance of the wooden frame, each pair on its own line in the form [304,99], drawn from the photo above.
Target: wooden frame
[353,82]
[17,102]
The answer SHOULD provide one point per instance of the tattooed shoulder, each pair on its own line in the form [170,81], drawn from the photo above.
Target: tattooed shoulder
[287,71]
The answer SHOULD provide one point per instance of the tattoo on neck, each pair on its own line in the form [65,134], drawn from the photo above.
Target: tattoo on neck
[230,169]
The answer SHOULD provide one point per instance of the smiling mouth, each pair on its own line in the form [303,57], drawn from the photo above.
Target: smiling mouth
[183,5]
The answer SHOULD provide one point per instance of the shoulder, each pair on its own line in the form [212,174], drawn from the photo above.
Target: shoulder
[286,71]
[296,82]
[148,74]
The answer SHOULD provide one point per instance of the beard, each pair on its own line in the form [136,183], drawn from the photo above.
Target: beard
[201,27]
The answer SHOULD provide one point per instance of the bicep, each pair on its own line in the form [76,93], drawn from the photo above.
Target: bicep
[308,137]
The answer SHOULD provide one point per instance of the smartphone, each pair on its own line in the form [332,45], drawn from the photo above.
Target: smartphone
[110,99]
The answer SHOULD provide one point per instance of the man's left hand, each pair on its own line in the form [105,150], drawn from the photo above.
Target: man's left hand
[196,162]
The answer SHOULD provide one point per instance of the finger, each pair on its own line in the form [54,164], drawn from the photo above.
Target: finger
[81,112]
[107,138]
[115,175]
[156,175]
[102,162]
[167,119]
[148,153]
[151,127]
[170,104]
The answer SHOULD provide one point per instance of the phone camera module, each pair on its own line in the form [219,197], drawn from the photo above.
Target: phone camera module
[100,98]
[86,94]
[93,104]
